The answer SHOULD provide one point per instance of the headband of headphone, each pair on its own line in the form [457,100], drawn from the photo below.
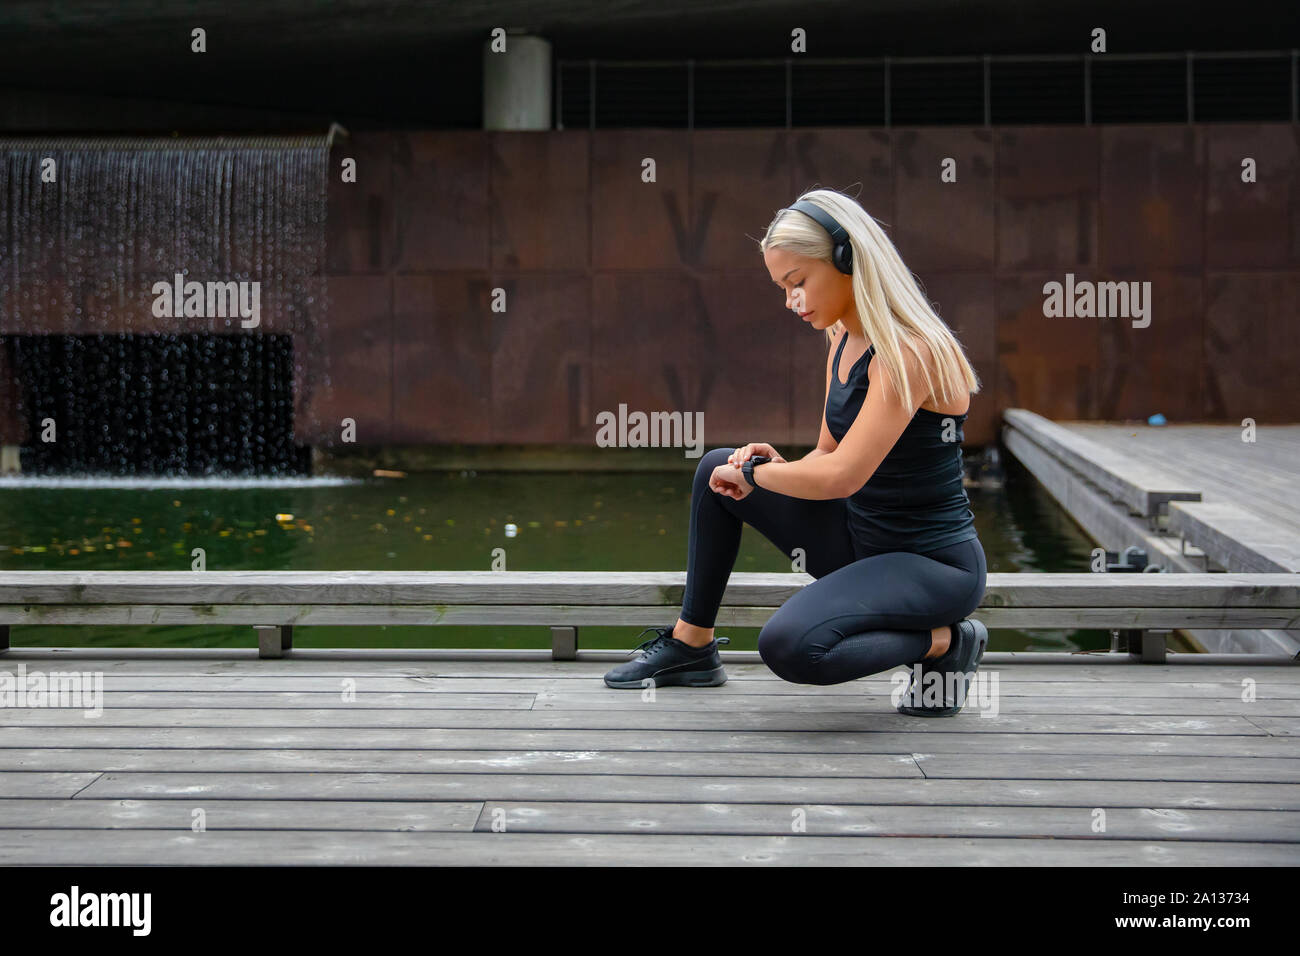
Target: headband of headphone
[841,248]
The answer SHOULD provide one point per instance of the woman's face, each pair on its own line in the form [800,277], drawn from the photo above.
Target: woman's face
[819,292]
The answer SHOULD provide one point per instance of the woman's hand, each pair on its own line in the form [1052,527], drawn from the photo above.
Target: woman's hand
[727,480]
[746,452]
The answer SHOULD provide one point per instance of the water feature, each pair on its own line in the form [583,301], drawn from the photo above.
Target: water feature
[160,300]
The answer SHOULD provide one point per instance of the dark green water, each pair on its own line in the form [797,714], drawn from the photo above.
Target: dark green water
[448,521]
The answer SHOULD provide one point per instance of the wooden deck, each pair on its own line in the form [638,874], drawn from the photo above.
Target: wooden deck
[1260,480]
[538,763]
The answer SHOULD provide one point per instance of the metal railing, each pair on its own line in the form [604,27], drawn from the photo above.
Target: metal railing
[881,70]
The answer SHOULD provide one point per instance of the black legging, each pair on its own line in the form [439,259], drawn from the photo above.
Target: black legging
[867,611]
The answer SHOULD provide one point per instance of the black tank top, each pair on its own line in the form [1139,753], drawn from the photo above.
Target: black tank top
[915,501]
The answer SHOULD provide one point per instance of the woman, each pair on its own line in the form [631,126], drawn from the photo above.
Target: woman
[878,509]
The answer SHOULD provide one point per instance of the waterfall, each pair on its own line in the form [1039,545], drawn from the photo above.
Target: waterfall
[105,371]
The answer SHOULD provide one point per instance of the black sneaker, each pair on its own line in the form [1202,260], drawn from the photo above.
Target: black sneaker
[970,638]
[668,662]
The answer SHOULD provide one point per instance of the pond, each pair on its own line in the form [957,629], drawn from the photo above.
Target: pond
[614,521]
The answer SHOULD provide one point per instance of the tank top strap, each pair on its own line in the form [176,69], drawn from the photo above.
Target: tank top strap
[835,365]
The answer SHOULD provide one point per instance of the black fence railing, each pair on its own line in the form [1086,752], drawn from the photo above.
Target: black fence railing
[1258,86]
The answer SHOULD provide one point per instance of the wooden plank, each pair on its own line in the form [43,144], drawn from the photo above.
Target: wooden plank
[805,742]
[383,588]
[243,847]
[1088,666]
[1145,488]
[1237,540]
[754,721]
[1056,767]
[1271,826]
[1264,826]
[1281,726]
[666,699]
[36,783]
[1008,683]
[186,786]
[368,815]
[695,699]
[1271,612]
[575,591]
[80,759]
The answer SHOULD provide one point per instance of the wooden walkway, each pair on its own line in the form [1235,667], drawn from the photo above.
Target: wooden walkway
[1261,478]
[538,763]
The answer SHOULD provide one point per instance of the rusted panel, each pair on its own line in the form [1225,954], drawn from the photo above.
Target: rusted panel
[965,301]
[808,354]
[672,343]
[641,225]
[540,196]
[359,221]
[541,359]
[738,180]
[1047,198]
[1143,371]
[858,162]
[944,226]
[1251,346]
[1047,365]
[442,360]
[1152,195]
[757,335]
[352,375]
[1253,225]
[440,201]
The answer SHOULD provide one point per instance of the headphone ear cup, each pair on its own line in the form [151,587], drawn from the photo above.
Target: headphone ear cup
[844,258]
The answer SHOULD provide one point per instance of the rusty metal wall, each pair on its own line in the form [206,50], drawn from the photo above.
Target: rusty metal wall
[653,294]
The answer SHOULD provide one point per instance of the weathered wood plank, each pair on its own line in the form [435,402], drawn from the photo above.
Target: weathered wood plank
[1064,667]
[1031,766]
[1008,683]
[1057,767]
[41,784]
[464,761]
[1265,826]
[1238,540]
[751,721]
[1008,704]
[1139,484]
[371,815]
[240,847]
[1269,613]
[780,790]
[819,742]
[877,820]
[430,590]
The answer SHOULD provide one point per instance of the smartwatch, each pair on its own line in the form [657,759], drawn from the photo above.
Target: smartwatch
[747,469]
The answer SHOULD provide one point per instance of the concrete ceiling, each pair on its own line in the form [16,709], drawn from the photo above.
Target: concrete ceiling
[385,58]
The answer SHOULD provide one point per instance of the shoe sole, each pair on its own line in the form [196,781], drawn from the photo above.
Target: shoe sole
[710,678]
[981,644]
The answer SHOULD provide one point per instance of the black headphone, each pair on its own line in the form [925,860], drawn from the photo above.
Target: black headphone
[841,248]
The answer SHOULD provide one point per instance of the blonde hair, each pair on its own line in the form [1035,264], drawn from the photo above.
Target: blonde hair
[888,299]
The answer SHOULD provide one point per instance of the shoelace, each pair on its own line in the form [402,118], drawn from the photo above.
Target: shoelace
[660,640]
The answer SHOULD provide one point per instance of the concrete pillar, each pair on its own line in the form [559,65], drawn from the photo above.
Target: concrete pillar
[517,83]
